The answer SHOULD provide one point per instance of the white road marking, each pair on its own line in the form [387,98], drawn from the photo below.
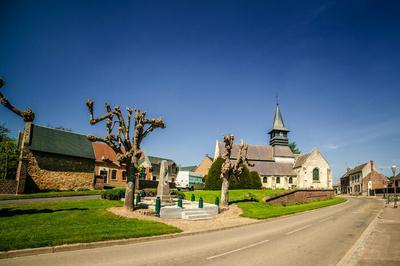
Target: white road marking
[326,219]
[239,249]
[299,229]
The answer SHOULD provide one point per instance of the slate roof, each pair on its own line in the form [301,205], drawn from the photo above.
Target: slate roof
[254,152]
[187,168]
[356,169]
[278,121]
[60,142]
[283,151]
[301,160]
[273,168]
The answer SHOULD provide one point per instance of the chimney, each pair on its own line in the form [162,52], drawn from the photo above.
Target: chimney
[372,165]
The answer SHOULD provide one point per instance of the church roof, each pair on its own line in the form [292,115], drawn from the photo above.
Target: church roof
[273,168]
[301,160]
[278,120]
[254,152]
[283,151]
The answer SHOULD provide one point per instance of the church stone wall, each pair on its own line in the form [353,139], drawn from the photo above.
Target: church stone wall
[305,173]
[56,172]
[300,195]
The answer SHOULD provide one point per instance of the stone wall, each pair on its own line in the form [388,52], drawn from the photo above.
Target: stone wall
[8,186]
[57,172]
[300,195]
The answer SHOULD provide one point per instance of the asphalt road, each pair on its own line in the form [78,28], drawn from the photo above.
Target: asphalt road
[320,237]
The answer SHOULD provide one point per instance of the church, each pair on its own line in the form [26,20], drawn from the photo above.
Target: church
[279,167]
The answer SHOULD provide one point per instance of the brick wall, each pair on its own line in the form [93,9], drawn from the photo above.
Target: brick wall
[300,195]
[8,186]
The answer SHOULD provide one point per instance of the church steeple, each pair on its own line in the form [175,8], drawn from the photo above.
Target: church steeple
[278,133]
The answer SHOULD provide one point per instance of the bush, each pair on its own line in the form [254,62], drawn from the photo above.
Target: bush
[255,180]
[246,180]
[213,179]
[113,194]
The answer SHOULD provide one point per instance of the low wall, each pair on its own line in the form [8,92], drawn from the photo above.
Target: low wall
[8,186]
[300,195]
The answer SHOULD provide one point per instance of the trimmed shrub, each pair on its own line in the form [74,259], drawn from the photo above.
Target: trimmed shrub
[213,179]
[113,194]
[255,180]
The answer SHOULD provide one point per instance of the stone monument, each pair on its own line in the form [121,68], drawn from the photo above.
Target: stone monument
[163,185]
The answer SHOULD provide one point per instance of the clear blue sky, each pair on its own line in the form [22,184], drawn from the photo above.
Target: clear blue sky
[211,68]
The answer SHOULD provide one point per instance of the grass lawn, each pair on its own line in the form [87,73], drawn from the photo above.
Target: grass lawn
[260,210]
[234,195]
[75,221]
[51,194]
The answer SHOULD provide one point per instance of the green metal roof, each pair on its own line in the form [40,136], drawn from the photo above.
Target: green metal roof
[187,168]
[61,142]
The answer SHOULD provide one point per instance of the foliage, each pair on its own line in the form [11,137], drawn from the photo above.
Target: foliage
[246,180]
[8,155]
[234,195]
[113,194]
[213,180]
[259,210]
[255,180]
[72,221]
[4,133]
[294,148]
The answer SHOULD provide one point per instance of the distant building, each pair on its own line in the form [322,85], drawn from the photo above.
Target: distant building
[278,167]
[107,165]
[361,179]
[204,165]
[151,168]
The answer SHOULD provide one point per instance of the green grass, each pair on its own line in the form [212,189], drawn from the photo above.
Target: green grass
[234,195]
[260,210]
[51,194]
[64,222]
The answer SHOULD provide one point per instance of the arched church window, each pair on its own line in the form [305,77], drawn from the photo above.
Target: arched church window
[278,180]
[315,174]
[290,180]
[265,179]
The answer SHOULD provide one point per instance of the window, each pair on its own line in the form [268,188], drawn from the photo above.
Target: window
[290,180]
[114,174]
[315,174]
[265,179]
[278,180]
[123,175]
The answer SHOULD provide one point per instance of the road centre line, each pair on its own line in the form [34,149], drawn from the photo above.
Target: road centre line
[326,219]
[299,229]
[236,250]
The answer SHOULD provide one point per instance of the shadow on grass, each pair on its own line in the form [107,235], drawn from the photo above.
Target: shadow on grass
[242,200]
[9,212]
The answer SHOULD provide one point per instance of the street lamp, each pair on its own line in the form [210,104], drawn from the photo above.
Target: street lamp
[394,167]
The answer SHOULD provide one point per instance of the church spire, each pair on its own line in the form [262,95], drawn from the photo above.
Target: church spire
[278,133]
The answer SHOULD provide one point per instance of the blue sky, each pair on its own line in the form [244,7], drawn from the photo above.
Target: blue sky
[211,68]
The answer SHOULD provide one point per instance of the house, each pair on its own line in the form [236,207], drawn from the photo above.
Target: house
[57,160]
[151,168]
[204,165]
[361,179]
[276,164]
[107,165]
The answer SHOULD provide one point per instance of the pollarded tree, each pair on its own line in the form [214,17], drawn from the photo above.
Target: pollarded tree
[118,138]
[230,169]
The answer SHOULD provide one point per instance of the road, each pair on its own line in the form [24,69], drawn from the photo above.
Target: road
[320,237]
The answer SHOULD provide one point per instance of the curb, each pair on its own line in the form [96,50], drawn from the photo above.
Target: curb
[107,243]
[352,255]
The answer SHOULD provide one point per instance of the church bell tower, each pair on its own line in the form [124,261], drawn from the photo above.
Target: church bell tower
[278,134]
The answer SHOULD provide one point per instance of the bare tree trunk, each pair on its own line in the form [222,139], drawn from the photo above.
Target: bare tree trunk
[225,192]
[129,188]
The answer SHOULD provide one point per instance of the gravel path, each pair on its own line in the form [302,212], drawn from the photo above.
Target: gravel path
[227,218]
